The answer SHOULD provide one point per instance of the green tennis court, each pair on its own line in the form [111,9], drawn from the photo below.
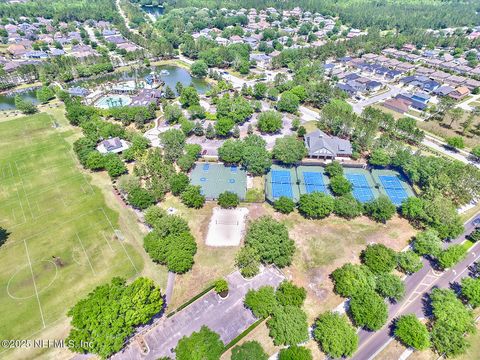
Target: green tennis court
[215,178]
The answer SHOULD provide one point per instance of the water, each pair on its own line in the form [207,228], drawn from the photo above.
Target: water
[8,102]
[175,74]
[155,11]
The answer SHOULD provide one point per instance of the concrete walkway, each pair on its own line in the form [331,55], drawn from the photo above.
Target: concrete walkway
[227,317]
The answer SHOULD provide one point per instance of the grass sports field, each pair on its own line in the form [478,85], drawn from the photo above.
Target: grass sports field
[63,241]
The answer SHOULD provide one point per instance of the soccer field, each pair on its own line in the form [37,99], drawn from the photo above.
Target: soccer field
[63,241]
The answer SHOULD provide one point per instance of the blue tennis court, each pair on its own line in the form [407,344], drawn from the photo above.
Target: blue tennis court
[393,188]
[362,190]
[281,184]
[281,177]
[314,182]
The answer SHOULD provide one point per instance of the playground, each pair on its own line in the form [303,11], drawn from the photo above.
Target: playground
[63,238]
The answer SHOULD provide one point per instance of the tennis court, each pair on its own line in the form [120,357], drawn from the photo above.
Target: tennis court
[394,189]
[362,191]
[282,182]
[312,179]
[215,178]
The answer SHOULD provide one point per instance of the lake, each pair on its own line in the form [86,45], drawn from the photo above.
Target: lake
[8,102]
[155,11]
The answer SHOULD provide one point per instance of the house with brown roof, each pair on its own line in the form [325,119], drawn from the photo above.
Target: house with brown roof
[17,50]
[459,93]
[398,105]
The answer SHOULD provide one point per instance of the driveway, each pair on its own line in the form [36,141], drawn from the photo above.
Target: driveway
[227,317]
[362,104]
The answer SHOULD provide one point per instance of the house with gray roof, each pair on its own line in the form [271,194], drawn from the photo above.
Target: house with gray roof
[323,146]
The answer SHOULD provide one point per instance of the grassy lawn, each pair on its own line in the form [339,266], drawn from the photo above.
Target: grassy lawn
[444,130]
[63,241]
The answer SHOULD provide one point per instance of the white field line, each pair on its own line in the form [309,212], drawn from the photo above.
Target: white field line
[85,252]
[34,284]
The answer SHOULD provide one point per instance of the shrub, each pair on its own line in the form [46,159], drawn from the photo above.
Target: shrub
[153,215]
[228,200]
[340,185]
[334,169]
[284,204]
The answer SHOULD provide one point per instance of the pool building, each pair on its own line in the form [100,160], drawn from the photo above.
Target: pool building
[216,178]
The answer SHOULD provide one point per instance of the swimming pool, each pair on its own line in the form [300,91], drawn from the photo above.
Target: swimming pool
[109,101]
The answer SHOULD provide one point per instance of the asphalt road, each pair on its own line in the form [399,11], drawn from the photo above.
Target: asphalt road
[416,287]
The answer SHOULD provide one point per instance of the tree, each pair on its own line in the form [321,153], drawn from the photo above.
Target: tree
[379,258]
[284,204]
[228,200]
[288,326]
[178,183]
[256,159]
[192,197]
[172,113]
[347,206]
[316,205]
[334,169]
[270,122]
[381,209]
[427,243]
[340,185]
[221,286]
[336,337]
[289,102]
[412,332]
[409,262]
[173,142]
[169,94]
[114,165]
[271,241]
[248,261]
[95,161]
[289,294]
[199,68]
[456,142]
[202,345]
[471,291]
[455,114]
[223,127]
[262,302]
[390,286]
[368,310]
[259,90]
[4,234]
[95,330]
[25,106]
[349,279]
[295,352]
[140,198]
[189,97]
[45,94]
[379,157]
[451,256]
[153,214]
[231,151]
[249,350]
[289,150]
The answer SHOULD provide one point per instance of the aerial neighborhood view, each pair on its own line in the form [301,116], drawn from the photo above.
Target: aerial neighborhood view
[240,179]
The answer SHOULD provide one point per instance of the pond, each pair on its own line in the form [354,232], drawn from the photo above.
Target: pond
[154,11]
[7,102]
[170,74]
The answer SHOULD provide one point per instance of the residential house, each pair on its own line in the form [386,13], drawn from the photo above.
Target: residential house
[459,93]
[114,145]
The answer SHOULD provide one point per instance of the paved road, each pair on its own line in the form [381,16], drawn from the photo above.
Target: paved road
[227,317]
[416,286]
[170,285]
[362,104]
[459,155]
